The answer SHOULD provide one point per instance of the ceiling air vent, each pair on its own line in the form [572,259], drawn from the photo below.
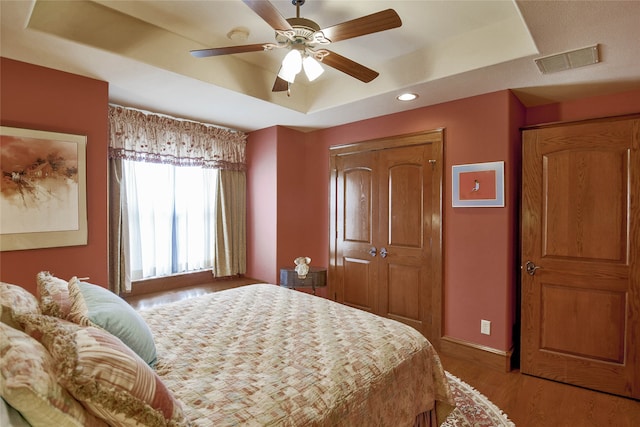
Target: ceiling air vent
[567,60]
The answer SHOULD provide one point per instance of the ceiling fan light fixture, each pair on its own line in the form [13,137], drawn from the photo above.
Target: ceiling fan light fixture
[312,68]
[291,66]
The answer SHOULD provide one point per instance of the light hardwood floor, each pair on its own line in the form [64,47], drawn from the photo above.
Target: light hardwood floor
[143,301]
[527,400]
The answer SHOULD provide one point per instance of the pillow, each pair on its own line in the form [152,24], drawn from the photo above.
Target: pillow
[54,295]
[110,380]
[93,305]
[14,301]
[9,417]
[28,383]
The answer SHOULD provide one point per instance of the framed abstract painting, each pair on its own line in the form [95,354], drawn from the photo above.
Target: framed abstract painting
[42,189]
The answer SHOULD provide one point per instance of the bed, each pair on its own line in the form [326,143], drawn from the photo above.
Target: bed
[262,355]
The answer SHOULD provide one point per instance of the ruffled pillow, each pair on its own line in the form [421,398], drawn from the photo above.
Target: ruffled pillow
[110,380]
[53,294]
[14,301]
[93,305]
[28,383]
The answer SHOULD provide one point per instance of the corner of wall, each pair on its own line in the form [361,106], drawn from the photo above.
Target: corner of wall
[39,98]
[262,204]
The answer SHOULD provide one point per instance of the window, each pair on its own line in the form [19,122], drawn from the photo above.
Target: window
[177,198]
[171,216]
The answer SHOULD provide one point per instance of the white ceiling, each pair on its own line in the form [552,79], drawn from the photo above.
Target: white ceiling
[445,50]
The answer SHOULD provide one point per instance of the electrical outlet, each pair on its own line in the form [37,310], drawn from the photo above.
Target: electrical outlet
[485,327]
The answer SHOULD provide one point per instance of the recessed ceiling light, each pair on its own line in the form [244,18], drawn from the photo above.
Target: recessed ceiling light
[407,97]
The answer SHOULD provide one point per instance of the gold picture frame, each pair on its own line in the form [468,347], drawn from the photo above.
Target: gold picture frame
[43,189]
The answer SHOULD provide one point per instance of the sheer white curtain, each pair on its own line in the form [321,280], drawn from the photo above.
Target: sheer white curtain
[165,197]
[171,211]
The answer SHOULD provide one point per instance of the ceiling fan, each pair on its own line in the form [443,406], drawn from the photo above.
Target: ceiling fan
[306,41]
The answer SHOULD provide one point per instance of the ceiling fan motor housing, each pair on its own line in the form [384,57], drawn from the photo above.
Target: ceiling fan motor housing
[303,28]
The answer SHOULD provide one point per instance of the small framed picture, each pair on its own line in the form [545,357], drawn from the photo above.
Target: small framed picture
[478,185]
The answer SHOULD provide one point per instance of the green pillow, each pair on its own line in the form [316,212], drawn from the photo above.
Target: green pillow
[96,306]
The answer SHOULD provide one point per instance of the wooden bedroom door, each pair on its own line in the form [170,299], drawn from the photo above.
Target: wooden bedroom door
[581,255]
[386,254]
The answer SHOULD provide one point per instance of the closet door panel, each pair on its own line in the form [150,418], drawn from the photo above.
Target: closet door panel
[358,291]
[404,235]
[405,206]
[405,283]
[357,220]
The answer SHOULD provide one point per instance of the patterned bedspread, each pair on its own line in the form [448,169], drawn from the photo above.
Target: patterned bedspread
[263,355]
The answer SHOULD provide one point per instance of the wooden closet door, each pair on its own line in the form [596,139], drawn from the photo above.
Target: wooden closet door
[385,249]
[356,283]
[404,235]
[580,255]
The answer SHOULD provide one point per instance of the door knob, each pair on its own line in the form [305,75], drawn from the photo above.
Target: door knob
[383,252]
[373,251]
[531,268]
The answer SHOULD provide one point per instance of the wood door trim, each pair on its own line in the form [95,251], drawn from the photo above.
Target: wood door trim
[482,355]
[580,122]
[428,137]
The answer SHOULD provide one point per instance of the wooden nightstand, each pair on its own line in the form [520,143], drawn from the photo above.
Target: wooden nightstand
[317,277]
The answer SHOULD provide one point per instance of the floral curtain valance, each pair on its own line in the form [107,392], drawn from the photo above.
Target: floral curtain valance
[140,136]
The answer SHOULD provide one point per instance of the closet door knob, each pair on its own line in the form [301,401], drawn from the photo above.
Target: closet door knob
[383,252]
[373,251]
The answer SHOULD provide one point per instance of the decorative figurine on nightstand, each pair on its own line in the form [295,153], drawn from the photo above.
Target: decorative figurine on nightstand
[302,266]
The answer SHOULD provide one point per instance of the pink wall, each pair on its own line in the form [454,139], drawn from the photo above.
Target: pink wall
[281,159]
[586,108]
[292,195]
[316,167]
[302,203]
[40,98]
[262,205]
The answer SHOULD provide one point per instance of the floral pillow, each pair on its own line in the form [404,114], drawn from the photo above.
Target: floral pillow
[28,383]
[54,295]
[110,380]
[14,301]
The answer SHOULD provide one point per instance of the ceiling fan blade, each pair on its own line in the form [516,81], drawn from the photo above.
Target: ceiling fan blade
[379,21]
[350,67]
[269,14]
[217,51]
[280,85]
